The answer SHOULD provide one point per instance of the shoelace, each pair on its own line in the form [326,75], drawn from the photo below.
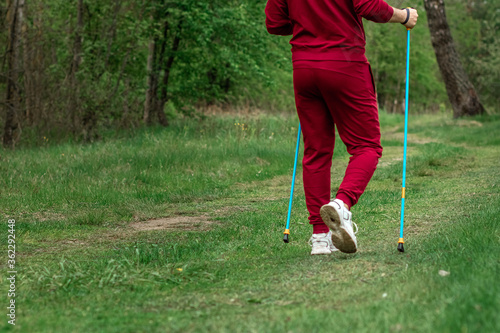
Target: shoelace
[356,227]
[310,242]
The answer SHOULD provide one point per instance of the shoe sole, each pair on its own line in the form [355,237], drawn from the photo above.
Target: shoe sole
[321,252]
[340,237]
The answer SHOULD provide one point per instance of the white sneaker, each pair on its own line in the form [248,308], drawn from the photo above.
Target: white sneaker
[338,219]
[322,243]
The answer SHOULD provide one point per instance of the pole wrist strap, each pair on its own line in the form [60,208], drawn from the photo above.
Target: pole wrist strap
[407,16]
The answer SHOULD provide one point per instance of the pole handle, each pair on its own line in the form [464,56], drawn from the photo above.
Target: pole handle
[408,16]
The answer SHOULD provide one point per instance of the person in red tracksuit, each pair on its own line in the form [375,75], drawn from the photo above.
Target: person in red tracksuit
[334,87]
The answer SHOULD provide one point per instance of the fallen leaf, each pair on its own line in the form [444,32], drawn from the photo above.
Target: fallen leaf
[443,273]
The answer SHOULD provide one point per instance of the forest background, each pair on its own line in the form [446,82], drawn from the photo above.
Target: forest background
[149,179]
[87,68]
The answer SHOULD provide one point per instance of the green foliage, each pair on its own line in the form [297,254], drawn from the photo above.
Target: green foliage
[225,58]
[221,50]
[475,27]
[386,51]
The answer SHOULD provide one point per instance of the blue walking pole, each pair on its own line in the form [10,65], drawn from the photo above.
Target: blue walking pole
[287,228]
[401,241]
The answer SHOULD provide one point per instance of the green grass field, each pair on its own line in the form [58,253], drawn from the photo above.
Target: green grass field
[217,190]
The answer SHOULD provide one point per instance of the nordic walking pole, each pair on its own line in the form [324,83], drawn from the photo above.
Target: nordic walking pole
[287,228]
[401,241]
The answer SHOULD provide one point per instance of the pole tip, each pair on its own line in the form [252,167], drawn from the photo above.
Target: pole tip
[285,238]
[401,247]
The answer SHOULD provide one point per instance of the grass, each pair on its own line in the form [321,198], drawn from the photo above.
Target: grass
[81,268]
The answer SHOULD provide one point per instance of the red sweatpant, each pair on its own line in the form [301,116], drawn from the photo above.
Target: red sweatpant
[341,94]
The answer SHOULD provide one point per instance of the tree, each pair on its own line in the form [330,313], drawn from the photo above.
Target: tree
[12,129]
[461,92]
[162,52]
[73,107]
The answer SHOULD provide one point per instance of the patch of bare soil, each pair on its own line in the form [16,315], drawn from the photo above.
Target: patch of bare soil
[387,162]
[413,138]
[74,242]
[392,155]
[275,188]
[245,111]
[464,123]
[37,216]
[180,223]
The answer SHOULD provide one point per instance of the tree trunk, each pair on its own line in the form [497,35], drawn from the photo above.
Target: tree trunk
[29,88]
[125,121]
[157,68]
[112,32]
[150,102]
[156,95]
[166,76]
[37,65]
[461,92]
[12,130]
[73,107]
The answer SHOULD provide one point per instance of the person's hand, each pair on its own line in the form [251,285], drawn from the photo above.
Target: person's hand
[412,20]
[401,16]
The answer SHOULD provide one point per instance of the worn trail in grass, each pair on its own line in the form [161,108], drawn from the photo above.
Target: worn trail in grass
[95,273]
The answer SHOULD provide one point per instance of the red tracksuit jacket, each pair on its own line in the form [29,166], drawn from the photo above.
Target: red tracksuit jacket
[325,29]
